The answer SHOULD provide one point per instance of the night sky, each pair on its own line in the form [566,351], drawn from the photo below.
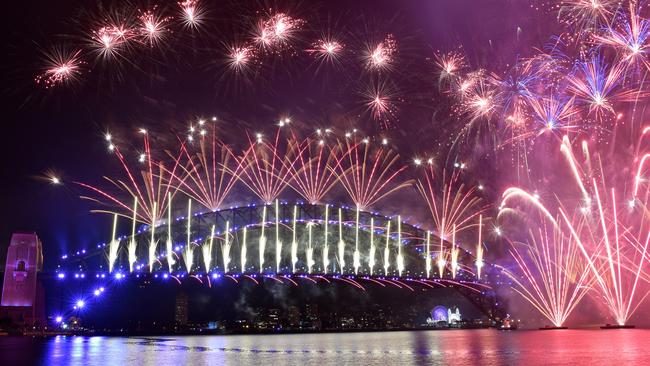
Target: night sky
[61,129]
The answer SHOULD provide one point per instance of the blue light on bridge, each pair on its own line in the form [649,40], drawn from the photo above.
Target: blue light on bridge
[61,275]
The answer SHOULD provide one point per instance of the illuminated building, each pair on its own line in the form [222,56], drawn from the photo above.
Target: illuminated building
[181,309]
[22,294]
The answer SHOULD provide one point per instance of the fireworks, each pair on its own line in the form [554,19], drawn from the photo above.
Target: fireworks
[191,13]
[326,49]
[210,173]
[368,174]
[313,173]
[598,87]
[240,58]
[381,55]
[60,68]
[277,30]
[552,275]
[153,192]
[580,87]
[152,26]
[267,166]
[629,36]
[613,242]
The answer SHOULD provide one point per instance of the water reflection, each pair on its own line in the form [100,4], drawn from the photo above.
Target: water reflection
[451,347]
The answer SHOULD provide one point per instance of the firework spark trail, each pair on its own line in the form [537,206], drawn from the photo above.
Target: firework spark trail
[400,257]
[188,253]
[192,13]
[387,249]
[479,249]
[313,171]
[380,102]
[356,255]
[373,249]
[381,56]
[369,175]
[614,246]
[326,51]
[427,258]
[599,87]
[113,247]
[630,36]
[240,58]
[553,275]
[553,112]
[449,65]
[586,15]
[455,207]
[210,173]
[206,250]
[277,31]
[154,184]
[112,40]
[455,251]
[278,242]
[309,251]
[326,247]
[152,26]
[133,244]
[294,241]
[267,167]
[225,248]
[169,243]
[341,244]
[60,67]
[242,257]
[262,241]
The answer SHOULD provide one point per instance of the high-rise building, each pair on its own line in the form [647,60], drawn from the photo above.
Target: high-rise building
[294,317]
[22,294]
[181,309]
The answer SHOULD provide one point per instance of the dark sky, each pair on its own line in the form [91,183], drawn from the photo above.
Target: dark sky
[61,129]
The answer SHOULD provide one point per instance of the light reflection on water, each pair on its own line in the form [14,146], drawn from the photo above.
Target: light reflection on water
[459,347]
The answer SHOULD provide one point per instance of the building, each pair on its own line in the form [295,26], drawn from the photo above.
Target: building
[294,317]
[22,294]
[181,309]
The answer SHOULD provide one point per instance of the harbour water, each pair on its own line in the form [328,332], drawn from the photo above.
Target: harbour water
[450,347]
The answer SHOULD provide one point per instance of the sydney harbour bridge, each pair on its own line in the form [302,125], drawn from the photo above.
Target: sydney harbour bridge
[286,243]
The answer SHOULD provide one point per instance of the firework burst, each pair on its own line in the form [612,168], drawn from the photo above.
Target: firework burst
[60,67]
[368,174]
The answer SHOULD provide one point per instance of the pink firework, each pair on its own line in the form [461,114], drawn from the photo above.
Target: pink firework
[550,273]
[192,13]
[267,166]
[110,40]
[612,236]
[277,30]
[599,87]
[629,37]
[369,174]
[240,58]
[314,172]
[382,55]
[152,26]
[326,50]
[148,184]
[453,207]
[60,68]
[449,65]
[211,170]
[380,101]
